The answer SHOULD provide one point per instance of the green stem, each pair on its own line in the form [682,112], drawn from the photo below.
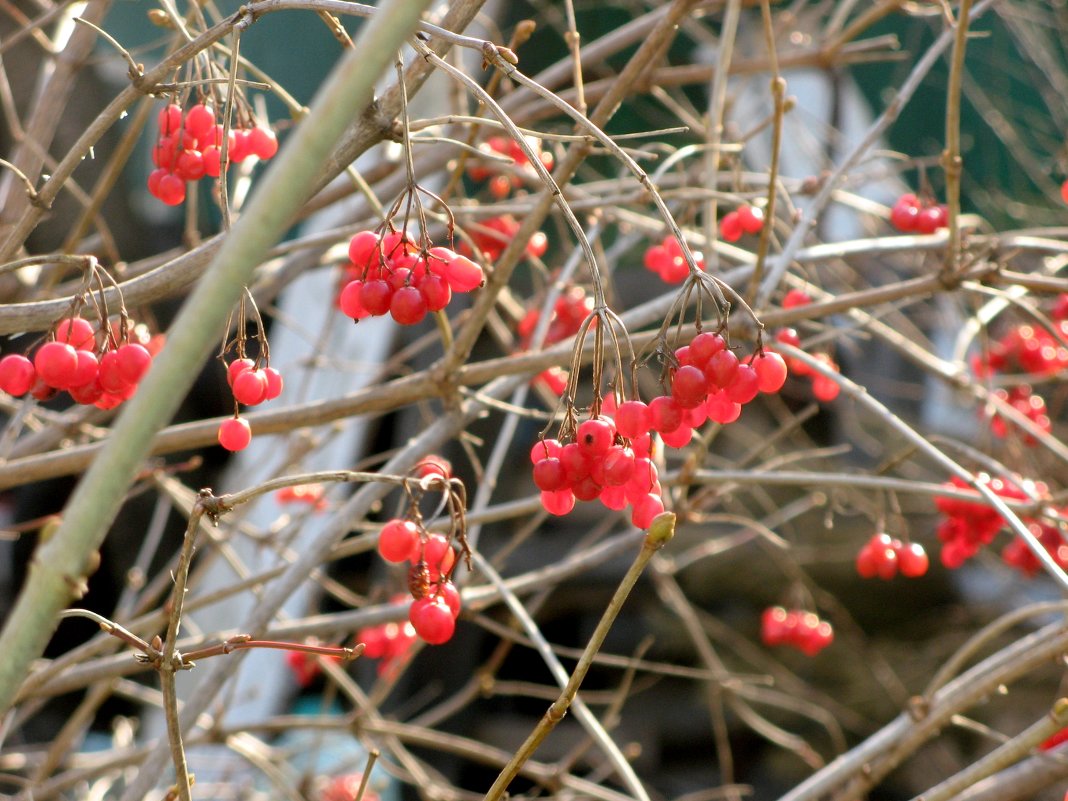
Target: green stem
[61,565]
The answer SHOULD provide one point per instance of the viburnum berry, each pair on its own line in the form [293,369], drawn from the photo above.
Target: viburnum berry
[751,218]
[134,361]
[688,387]
[86,371]
[376,296]
[633,419]
[744,384]
[408,306]
[17,375]
[645,509]
[595,437]
[171,189]
[795,628]
[398,541]
[432,620]
[200,120]
[76,332]
[730,227]
[235,434]
[250,387]
[55,362]
[437,553]
[665,415]
[558,503]
[771,371]
[263,142]
[549,475]
[794,298]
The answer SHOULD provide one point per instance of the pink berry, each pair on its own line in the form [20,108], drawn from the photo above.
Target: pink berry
[250,387]
[200,120]
[86,371]
[744,384]
[549,475]
[633,419]
[275,384]
[171,189]
[595,437]
[463,274]
[665,415]
[688,387]
[55,362]
[190,165]
[558,503]
[76,332]
[376,296]
[544,449]
[236,367]
[721,369]
[363,247]
[912,560]
[408,306]
[235,434]
[398,541]
[771,371]
[645,509]
[432,620]
[170,119]
[17,375]
[349,301]
[704,346]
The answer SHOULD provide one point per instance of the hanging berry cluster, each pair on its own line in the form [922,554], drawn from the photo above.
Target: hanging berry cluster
[252,381]
[911,215]
[96,365]
[823,388]
[745,219]
[795,628]
[885,556]
[430,556]
[491,236]
[969,525]
[1016,554]
[667,261]
[391,274]
[190,147]
[501,183]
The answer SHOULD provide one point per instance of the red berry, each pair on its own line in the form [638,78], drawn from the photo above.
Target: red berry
[688,387]
[704,346]
[463,274]
[349,301]
[263,142]
[170,119]
[730,227]
[633,419]
[235,434]
[171,189]
[212,158]
[408,306]
[720,370]
[76,332]
[771,371]
[679,438]
[825,389]
[275,384]
[55,363]
[795,298]
[363,247]
[432,620]
[398,541]
[240,148]
[200,120]
[436,292]
[438,554]
[618,465]
[134,361]
[447,590]
[558,503]
[549,475]
[190,165]
[751,219]
[912,560]
[905,214]
[595,437]
[236,367]
[665,415]
[86,371]
[930,220]
[17,375]
[744,385]
[250,387]
[543,449]
[376,296]
[645,509]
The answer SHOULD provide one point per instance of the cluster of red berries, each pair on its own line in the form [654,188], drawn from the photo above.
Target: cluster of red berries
[969,525]
[312,495]
[571,308]
[823,388]
[885,556]
[190,147]
[1018,555]
[102,374]
[491,237]
[389,642]
[1028,403]
[911,215]
[597,463]
[745,219]
[501,184]
[251,386]
[795,628]
[390,274]
[431,558]
[667,261]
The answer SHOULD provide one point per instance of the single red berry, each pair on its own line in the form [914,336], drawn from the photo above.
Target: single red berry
[665,415]
[190,165]
[929,220]
[825,389]
[134,361]
[549,475]
[558,503]
[76,332]
[721,409]
[376,296]
[595,437]
[463,274]
[730,227]
[679,438]
[250,387]
[751,218]
[771,371]
[170,119]
[236,367]
[744,384]
[398,541]
[618,465]
[212,157]
[275,384]
[912,560]
[704,346]
[436,292]
[55,363]
[447,590]
[432,620]
[263,142]
[720,370]
[363,247]
[645,510]
[794,298]
[349,301]
[688,387]
[200,120]
[905,213]
[544,449]
[17,375]
[633,419]
[86,371]
[438,554]
[171,189]
[235,434]
[240,148]
[408,306]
